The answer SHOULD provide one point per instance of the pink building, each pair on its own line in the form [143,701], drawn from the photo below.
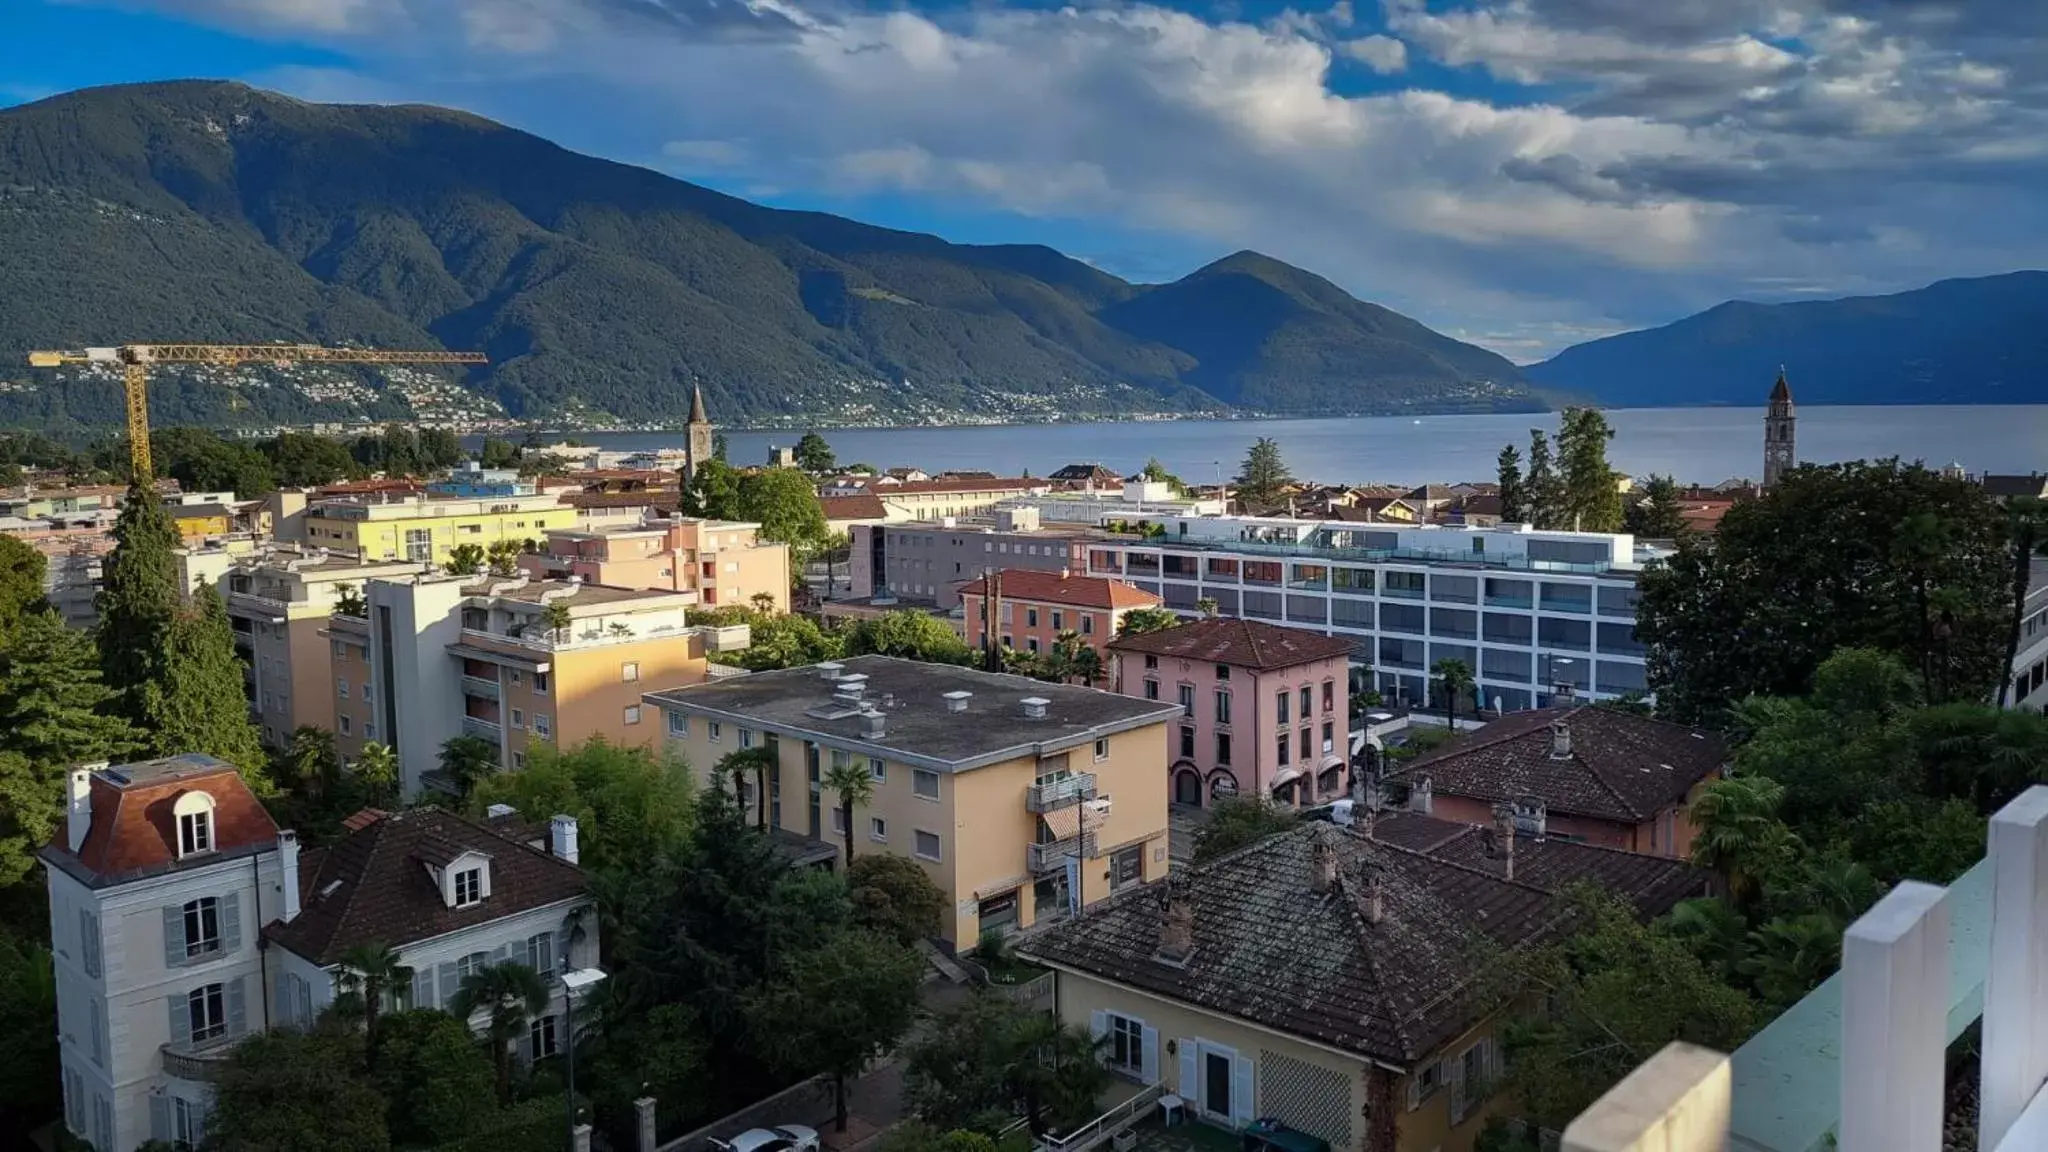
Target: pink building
[1037,606]
[723,561]
[1264,708]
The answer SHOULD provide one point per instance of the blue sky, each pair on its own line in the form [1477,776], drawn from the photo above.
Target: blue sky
[1520,173]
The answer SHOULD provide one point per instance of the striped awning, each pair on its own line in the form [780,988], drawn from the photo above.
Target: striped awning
[1064,823]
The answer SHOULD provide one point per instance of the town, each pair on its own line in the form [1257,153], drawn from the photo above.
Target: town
[374,794]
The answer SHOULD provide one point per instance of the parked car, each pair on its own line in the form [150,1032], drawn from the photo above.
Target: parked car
[781,1138]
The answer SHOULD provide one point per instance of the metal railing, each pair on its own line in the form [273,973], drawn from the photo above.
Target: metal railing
[480,688]
[1049,857]
[1099,1130]
[1062,793]
[484,729]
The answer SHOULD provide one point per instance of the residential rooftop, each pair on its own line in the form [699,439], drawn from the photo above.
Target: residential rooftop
[916,704]
[133,833]
[1237,642]
[1065,588]
[574,593]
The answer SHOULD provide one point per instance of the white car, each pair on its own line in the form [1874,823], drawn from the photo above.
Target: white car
[782,1138]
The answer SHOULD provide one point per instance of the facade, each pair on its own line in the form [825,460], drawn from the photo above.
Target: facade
[927,563]
[1001,787]
[425,529]
[437,657]
[1781,451]
[2030,664]
[937,499]
[1265,709]
[1355,1024]
[1528,611]
[1035,607]
[721,562]
[1586,774]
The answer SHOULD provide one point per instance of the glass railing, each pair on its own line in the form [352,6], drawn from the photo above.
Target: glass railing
[1524,602]
[1391,555]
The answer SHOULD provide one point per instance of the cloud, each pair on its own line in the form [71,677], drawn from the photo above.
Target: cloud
[1382,54]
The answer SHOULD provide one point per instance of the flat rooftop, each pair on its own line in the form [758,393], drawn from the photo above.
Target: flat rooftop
[580,595]
[165,771]
[919,727]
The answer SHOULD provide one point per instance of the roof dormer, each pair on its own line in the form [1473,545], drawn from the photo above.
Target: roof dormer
[192,813]
[462,874]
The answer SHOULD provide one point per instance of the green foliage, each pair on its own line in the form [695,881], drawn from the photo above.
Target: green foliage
[836,1008]
[1155,471]
[1263,478]
[631,803]
[813,454]
[1737,833]
[466,560]
[376,768]
[917,1136]
[303,1091]
[984,1061]
[52,701]
[1592,501]
[1885,556]
[910,634]
[301,460]
[1543,496]
[1656,513]
[894,897]
[22,570]
[436,1082]
[1139,621]
[29,1092]
[498,453]
[784,502]
[660,1052]
[197,702]
[138,598]
[713,491]
[203,462]
[1236,821]
[852,783]
[1513,495]
[1454,682]
[467,761]
[775,641]
[513,995]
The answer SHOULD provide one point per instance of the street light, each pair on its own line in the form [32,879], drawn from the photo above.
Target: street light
[574,983]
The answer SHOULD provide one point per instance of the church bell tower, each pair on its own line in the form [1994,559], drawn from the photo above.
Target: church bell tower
[1780,451]
[698,443]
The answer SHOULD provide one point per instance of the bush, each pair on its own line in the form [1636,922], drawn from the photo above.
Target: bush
[533,1126]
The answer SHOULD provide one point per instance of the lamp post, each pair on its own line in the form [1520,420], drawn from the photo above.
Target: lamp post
[574,983]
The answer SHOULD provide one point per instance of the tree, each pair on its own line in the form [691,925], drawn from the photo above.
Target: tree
[196,702]
[53,705]
[303,1091]
[1513,496]
[22,570]
[556,616]
[301,460]
[784,502]
[1454,679]
[1737,833]
[1157,473]
[1543,500]
[504,557]
[713,492]
[348,601]
[632,804]
[437,1085]
[813,454]
[910,634]
[1263,479]
[1139,621]
[1592,499]
[513,994]
[440,448]
[138,597]
[466,560]
[309,760]
[203,462]
[1884,556]
[1208,607]
[368,971]
[1236,821]
[29,1092]
[467,761]
[982,1061]
[838,1007]
[1658,513]
[740,764]
[894,896]
[376,767]
[855,785]
[2027,529]
[498,453]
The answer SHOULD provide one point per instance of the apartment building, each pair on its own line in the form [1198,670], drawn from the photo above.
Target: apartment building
[2030,663]
[1022,800]
[1525,610]
[936,499]
[1265,709]
[426,528]
[927,563]
[1035,607]
[437,656]
[719,562]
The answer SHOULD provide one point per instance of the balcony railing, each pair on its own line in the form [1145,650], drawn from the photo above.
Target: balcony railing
[1062,793]
[201,1064]
[483,729]
[1041,858]
[480,688]
[1860,1063]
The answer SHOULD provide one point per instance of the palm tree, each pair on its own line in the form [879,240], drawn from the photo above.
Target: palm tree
[1054,1067]
[1208,607]
[367,970]
[1087,667]
[513,994]
[556,616]
[377,767]
[855,786]
[348,600]
[759,761]
[1454,676]
[1738,834]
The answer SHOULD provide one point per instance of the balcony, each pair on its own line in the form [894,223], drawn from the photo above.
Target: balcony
[200,1063]
[480,688]
[480,728]
[1062,793]
[1042,858]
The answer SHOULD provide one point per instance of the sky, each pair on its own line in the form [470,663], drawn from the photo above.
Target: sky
[1523,174]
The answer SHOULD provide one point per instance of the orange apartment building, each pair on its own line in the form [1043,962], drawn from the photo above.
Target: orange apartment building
[719,563]
[1035,607]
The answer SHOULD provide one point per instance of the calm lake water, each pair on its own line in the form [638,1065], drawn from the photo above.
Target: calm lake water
[1705,445]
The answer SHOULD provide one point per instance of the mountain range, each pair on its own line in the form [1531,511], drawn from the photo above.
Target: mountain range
[214,212]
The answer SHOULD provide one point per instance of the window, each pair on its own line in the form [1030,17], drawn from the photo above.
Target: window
[1031,617]
[878,770]
[469,887]
[518,678]
[838,821]
[715,731]
[1126,1048]
[629,672]
[1187,698]
[1222,706]
[347,723]
[1151,661]
[341,689]
[540,1038]
[1223,671]
[1305,694]
[542,726]
[206,1009]
[1059,620]
[1329,695]
[1151,689]
[469,966]
[927,845]
[633,714]
[419,545]
[1222,748]
[1102,749]
[188,1123]
[89,942]
[925,783]
[1280,746]
[878,829]
[202,926]
[1280,704]
[746,737]
[99,1020]
[1031,644]
[369,731]
[1126,866]
[195,828]
[1087,623]
[518,718]
[540,683]
[1329,736]
[1187,740]
[678,724]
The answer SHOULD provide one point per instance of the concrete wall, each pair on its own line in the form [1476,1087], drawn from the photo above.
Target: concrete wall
[927,563]
[418,694]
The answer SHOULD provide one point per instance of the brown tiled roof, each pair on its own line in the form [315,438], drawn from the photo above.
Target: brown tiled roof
[1270,949]
[1053,588]
[2031,485]
[1244,643]
[911,487]
[853,507]
[1651,883]
[1480,505]
[1622,766]
[1431,492]
[133,833]
[661,499]
[374,884]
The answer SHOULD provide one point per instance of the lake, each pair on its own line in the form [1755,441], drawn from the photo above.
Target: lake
[1703,445]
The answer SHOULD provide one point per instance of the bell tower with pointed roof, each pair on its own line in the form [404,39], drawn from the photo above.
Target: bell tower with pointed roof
[698,443]
[1780,443]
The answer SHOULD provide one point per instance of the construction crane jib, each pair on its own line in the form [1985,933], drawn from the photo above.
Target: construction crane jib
[135,360]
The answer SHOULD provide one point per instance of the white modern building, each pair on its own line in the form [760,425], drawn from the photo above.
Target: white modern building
[1527,611]
[2030,664]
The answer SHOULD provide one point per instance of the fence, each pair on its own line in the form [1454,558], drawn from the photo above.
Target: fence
[1896,1021]
[1100,1129]
[804,1102]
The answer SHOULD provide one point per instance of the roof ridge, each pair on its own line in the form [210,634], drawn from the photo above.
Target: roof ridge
[1368,957]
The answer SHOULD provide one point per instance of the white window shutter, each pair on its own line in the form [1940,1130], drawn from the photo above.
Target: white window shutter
[305,1004]
[181,1018]
[282,1002]
[174,936]
[1098,1024]
[1148,1069]
[231,922]
[1241,1092]
[238,1008]
[1190,1088]
[446,978]
[423,986]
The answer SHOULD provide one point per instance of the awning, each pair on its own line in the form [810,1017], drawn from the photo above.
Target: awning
[1283,778]
[493,656]
[1065,823]
[1001,887]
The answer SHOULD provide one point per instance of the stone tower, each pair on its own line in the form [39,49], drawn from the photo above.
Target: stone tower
[1780,452]
[697,447]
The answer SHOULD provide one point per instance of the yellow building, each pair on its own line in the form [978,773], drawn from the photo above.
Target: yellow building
[1327,978]
[1023,800]
[427,528]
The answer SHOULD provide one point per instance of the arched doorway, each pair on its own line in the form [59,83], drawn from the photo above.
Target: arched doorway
[1187,787]
[1222,785]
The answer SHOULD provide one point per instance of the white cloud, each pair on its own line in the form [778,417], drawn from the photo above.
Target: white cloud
[1382,54]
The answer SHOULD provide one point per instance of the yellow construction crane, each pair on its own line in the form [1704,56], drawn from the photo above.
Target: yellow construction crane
[135,360]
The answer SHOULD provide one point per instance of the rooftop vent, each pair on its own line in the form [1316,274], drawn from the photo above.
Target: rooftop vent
[830,670]
[874,725]
[500,812]
[957,701]
[1034,707]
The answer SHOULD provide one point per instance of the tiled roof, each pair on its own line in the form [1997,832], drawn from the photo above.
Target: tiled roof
[1243,643]
[374,884]
[2031,485]
[1651,883]
[864,507]
[133,832]
[1270,949]
[912,487]
[1431,492]
[657,498]
[1622,766]
[1053,588]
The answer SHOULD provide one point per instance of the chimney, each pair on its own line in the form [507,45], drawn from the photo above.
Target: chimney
[873,724]
[1375,897]
[957,701]
[1504,835]
[562,838]
[1322,863]
[1177,927]
[1034,707]
[78,819]
[1420,797]
[1560,740]
[288,873]
[830,670]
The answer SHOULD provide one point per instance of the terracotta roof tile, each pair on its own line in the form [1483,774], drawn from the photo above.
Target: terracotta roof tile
[133,832]
[1053,588]
[865,507]
[1243,643]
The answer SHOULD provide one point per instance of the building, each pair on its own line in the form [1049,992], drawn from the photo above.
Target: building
[937,499]
[1000,786]
[842,513]
[719,562]
[1781,453]
[1035,607]
[426,529]
[435,657]
[1589,774]
[2030,663]
[1328,978]
[1526,610]
[2033,486]
[1264,709]
[1139,501]
[925,564]
[700,442]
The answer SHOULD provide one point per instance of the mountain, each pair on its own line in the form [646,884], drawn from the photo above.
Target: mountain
[1976,341]
[209,211]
